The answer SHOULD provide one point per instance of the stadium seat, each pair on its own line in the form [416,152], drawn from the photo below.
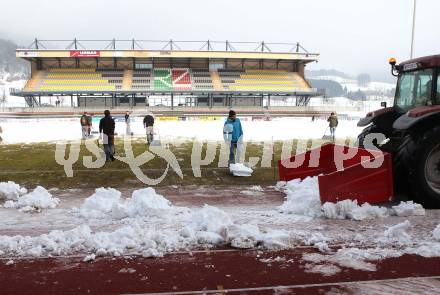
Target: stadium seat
[167,79]
[262,80]
[81,79]
[162,79]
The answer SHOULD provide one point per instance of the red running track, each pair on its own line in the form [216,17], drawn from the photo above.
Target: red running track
[212,272]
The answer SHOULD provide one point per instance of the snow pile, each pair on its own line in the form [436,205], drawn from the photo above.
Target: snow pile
[319,241]
[408,209]
[239,169]
[36,200]
[11,191]
[276,240]
[214,226]
[398,233]
[302,197]
[100,203]
[143,202]
[279,186]
[436,233]
[9,262]
[108,203]
[349,209]
[134,238]
[208,225]
[244,236]
[90,257]
[426,249]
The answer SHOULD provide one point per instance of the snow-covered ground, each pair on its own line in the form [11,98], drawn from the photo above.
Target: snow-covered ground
[109,222]
[58,129]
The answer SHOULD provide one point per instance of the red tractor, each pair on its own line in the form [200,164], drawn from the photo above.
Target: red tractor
[412,129]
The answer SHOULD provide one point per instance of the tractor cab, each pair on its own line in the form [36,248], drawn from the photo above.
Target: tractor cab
[416,85]
[417,92]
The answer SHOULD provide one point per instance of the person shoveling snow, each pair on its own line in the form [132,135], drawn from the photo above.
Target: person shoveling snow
[233,136]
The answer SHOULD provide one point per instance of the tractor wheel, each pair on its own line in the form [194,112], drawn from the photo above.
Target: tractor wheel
[418,162]
[370,129]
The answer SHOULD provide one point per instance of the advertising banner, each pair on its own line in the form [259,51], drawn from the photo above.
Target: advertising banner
[85,53]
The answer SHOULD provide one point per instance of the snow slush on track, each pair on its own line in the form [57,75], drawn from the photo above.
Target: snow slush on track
[279,227]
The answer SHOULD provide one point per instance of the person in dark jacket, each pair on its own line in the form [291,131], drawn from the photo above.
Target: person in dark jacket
[233,135]
[333,123]
[89,123]
[107,126]
[148,125]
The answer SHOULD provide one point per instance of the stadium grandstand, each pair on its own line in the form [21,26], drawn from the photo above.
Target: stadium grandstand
[121,73]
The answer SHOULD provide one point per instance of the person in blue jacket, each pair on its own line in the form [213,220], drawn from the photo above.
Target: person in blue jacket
[232,133]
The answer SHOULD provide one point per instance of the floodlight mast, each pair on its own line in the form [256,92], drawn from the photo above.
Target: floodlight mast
[413,29]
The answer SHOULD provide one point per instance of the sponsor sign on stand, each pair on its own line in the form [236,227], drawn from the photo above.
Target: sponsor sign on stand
[85,53]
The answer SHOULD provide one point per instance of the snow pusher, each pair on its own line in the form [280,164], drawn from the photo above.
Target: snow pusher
[410,132]
[343,173]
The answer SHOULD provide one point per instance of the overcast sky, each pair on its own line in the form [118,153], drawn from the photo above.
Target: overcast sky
[351,35]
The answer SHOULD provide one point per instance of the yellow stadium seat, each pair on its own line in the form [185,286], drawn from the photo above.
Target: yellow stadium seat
[71,70]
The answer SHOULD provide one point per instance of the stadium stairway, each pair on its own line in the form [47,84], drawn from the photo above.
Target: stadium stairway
[34,81]
[216,81]
[127,80]
[300,80]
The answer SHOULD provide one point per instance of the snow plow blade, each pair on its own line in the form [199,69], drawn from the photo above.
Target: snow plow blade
[343,173]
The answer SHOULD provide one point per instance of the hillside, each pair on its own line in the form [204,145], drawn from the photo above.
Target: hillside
[337,83]
[11,68]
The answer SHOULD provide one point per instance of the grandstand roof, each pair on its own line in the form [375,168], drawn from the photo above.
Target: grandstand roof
[43,53]
[166,49]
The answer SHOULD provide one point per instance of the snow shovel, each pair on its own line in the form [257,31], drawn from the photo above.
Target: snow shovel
[325,136]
